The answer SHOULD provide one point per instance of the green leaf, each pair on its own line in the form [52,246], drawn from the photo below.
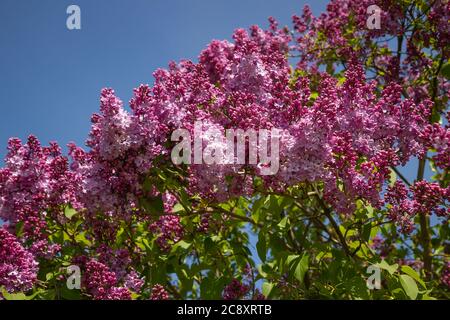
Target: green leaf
[177,208]
[267,289]
[314,95]
[392,178]
[181,244]
[208,244]
[261,247]
[134,296]
[69,294]
[369,211]
[301,268]
[409,285]
[413,274]
[69,212]
[283,222]
[17,296]
[256,209]
[446,70]
[147,185]
[261,272]
[367,228]
[19,228]
[291,259]
[385,266]
[13,296]
[153,205]
[81,238]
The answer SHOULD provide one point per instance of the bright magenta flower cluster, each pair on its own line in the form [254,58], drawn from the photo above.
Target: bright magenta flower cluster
[427,198]
[101,283]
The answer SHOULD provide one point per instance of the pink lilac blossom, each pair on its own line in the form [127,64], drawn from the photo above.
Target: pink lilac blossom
[431,198]
[18,268]
[205,223]
[33,180]
[438,138]
[380,246]
[101,283]
[416,264]
[401,208]
[159,293]
[133,281]
[168,230]
[242,289]
[421,198]
[235,290]
[318,38]
[117,260]
[44,249]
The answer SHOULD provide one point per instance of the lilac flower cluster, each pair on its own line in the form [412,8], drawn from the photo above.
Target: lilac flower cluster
[18,268]
[159,293]
[242,289]
[381,247]
[34,180]
[101,283]
[235,290]
[318,38]
[168,230]
[422,198]
[118,260]
[438,138]
[133,281]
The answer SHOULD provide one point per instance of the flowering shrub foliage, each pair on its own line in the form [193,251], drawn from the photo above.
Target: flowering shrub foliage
[352,110]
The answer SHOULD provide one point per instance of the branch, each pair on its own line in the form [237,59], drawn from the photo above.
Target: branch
[401,176]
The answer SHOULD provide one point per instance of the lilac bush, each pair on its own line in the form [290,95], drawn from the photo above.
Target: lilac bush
[351,111]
